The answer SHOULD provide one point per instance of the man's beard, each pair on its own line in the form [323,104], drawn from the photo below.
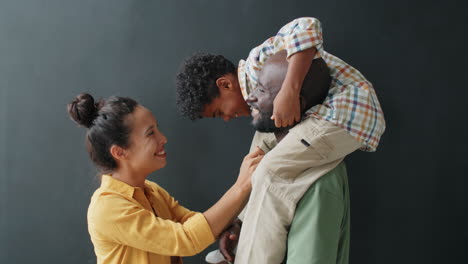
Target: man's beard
[266,125]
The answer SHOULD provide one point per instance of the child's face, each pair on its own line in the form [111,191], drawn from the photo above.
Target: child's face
[230,102]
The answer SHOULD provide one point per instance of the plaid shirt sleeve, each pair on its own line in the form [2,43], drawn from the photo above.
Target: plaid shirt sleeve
[298,35]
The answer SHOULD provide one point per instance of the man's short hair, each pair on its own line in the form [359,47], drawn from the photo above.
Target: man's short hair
[196,82]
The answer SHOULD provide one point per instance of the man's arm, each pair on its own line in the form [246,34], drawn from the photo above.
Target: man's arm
[228,240]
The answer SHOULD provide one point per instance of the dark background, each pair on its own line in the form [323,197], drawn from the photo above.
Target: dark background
[408,198]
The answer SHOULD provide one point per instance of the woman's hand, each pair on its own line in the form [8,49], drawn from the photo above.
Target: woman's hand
[249,164]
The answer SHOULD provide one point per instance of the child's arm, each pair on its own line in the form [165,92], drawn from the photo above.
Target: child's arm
[286,106]
[302,40]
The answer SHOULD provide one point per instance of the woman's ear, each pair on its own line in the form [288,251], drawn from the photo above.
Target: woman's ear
[118,153]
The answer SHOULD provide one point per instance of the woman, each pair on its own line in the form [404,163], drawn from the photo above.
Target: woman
[131,219]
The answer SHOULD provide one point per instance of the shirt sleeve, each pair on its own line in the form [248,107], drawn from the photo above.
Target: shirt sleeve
[180,214]
[298,35]
[123,222]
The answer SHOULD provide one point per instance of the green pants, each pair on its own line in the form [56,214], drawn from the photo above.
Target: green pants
[320,231]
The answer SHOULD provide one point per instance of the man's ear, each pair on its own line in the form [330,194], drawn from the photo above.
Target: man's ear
[223,83]
[118,153]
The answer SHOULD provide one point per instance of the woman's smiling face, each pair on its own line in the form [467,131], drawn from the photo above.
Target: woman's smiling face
[146,152]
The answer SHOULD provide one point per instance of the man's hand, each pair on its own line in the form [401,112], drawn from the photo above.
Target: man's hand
[286,107]
[228,240]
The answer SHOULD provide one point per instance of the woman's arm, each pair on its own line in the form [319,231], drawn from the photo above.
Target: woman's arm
[117,219]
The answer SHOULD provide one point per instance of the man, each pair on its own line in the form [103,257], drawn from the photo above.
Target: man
[320,229]
[349,118]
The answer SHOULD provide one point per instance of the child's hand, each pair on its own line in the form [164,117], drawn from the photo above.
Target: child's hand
[286,107]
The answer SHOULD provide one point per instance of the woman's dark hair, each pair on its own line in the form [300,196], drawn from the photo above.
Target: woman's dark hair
[105,123]
[196,82]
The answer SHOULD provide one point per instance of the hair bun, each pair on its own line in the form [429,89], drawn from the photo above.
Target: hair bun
[83,110]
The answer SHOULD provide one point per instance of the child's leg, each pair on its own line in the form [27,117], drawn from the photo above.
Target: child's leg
[313,145]
[265,141]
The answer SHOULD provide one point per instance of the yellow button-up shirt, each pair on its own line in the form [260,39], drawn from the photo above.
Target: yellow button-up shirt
[143,225]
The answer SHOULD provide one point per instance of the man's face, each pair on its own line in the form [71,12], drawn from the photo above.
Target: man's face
[261,104]
[230,102]
[261,99]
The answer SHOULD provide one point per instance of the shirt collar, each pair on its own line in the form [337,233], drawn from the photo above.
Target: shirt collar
[241,76]
[109,182]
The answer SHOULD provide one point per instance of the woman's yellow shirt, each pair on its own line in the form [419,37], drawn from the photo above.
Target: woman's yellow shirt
[143,225]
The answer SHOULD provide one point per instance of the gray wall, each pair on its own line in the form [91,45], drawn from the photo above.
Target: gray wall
[408,203]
